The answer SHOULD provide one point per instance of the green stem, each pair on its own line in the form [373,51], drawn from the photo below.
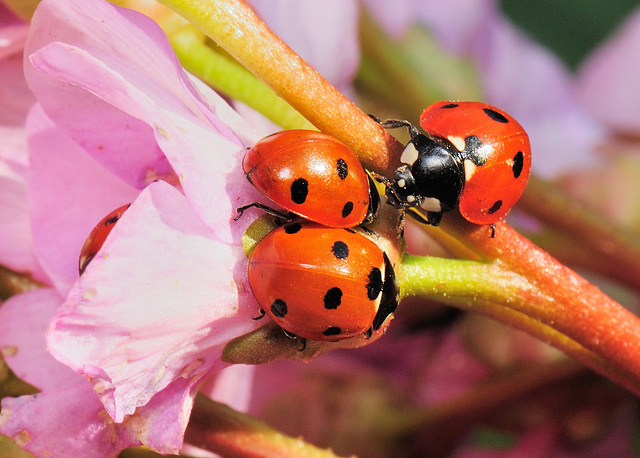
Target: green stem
[232,79]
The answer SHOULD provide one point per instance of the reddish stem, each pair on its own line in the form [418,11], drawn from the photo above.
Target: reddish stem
[574,307]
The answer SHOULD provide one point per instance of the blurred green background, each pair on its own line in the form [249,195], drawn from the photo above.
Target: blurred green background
[571,28]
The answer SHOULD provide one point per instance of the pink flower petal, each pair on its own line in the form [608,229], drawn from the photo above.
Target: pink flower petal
[608,79]
[34,422]
[152,114]
[69,193]
[158,303]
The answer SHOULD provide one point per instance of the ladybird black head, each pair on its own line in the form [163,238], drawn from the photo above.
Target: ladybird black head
[333,298]
[279,308]
[494,115]
[375,283]
[342,168]
[332,331]
[299,190]
[340,250]
[292,228]
[495,207]
[518,164]
[347,209]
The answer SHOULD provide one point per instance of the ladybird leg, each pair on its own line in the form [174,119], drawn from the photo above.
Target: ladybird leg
[493,230]
[396,123]
[291,335]
[401,221]
[368,333]
[263,207]
[380,178]
[262,314]
[434,218]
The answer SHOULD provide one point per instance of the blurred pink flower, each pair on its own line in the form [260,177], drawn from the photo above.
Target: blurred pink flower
[608,79]
[516,74]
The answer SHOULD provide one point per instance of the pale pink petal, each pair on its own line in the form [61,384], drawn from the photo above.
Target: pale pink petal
[322,32]
[22,341]
[13,32]
[231,386]
[66,418]
[608,79]
[169,115]
[69,193]
[158,303]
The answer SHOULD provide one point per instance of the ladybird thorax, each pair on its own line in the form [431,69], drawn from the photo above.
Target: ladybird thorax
[438,173]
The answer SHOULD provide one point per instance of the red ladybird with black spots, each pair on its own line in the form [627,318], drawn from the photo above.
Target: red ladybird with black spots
[322,283]
[313,175]
[97,237]
[474,157]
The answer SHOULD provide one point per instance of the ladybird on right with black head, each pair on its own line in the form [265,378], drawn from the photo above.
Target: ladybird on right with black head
[474,157]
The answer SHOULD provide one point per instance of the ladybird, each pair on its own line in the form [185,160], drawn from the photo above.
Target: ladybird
[322,283]
[312,175]
[97,237]
[475,157]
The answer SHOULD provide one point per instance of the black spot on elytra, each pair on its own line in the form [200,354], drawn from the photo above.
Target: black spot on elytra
[299,190]
[333,298]
[343,169]
[292,228]
[449,105]
[495,207]
[340,250]
[332,331]
[375,283]
[493,114]
[347,209]
[113,220]
[518,164]
[279,308]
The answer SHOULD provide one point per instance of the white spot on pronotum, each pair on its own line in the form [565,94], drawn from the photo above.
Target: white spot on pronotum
[402,183]
[410,154]
[411,198]
[458,142]
[431,204]
[469,169]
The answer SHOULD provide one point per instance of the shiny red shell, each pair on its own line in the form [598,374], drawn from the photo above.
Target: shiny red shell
[322,283]
[497,179]
[312,175]
[97,236]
